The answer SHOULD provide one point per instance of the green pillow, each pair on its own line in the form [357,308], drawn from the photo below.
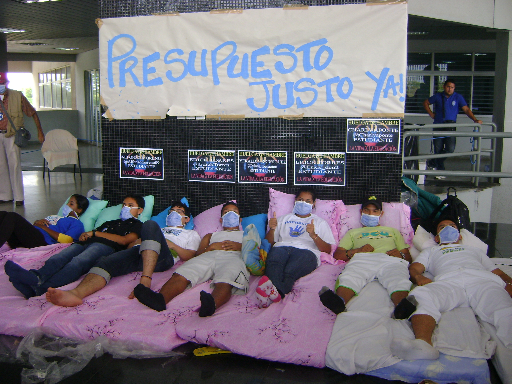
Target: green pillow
[112,213]
[90,216]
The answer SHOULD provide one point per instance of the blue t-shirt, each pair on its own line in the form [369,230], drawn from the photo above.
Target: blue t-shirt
[66,225]
[451,106]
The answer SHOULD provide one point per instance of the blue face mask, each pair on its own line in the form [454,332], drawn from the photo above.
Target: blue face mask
[173,219]
[369,220]
[302,208]
[2,88]
[448,235]
[230,219]
[66,210]
[126,213]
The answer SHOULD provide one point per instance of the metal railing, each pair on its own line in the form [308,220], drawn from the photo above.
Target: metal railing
[477,150]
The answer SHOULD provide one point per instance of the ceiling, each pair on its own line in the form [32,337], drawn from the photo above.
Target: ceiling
[71,24]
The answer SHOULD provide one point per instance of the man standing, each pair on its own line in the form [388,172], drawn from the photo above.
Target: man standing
[11,187]
[446,106]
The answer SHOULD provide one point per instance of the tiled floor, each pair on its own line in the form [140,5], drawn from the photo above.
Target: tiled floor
[43,198]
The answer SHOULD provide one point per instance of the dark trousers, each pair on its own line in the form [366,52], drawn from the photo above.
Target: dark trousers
[18,232]
[442,145]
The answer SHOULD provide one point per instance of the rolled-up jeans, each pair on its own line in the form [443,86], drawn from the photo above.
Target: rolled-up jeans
[69,264]
[130,260]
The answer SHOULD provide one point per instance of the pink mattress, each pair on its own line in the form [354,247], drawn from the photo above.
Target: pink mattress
[294,331]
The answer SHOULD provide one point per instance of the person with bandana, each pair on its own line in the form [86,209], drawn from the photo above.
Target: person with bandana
[15,104]
[371,252]
[18,232]
[298,239]
[156,253]
[71,263]
[463,276]
[219,258]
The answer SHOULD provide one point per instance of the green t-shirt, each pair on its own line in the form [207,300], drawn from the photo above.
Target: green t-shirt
[382,239]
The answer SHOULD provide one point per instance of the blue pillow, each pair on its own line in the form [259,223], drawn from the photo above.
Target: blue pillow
[260,222]
[160,218]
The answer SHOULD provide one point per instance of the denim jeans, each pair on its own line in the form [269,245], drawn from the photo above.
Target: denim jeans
[443,145]
[69,264]
[286,265]
[128,261]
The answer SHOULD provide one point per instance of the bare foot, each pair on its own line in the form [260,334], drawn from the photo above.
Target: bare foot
[62,298]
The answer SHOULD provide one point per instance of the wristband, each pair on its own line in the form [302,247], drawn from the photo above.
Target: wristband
[149,277]
[403,255]
[93,233]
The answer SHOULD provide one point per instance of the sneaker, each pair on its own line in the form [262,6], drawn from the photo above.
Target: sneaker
[440,177]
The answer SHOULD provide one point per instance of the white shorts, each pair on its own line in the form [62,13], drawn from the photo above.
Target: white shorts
[391,272]
[218,266]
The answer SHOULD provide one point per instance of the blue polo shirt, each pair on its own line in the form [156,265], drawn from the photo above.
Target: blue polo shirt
[451,106]
[66,225]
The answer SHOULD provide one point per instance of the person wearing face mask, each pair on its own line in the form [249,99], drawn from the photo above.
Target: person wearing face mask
[71,263]
[18,232]
[218,258]
[298,238]
[153,252]
[15,104]
[462,276]
[371,252]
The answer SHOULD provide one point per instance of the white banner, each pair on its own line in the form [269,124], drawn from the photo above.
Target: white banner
[332,61]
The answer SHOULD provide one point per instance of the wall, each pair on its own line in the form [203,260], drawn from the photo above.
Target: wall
[84,61]
[54,119]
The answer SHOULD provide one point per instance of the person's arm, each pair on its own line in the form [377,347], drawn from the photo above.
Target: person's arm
[402,254]
[272,224]
[426,105]
[319,242]
[54,234]
[416,272]
[346,255]
[506,278]
[469,113]
[121,240]
[40,134]
[183,253]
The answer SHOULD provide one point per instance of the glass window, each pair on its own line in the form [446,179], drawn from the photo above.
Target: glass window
[41,96]
[452,61]
[485,61]
[419,62]
[55,88]
[418,89]
[462,85]
[483,95]
[47,95]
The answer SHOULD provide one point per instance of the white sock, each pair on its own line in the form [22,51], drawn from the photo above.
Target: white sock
[263,300]
[416,349]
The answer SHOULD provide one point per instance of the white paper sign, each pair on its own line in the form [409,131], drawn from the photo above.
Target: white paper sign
[340,60]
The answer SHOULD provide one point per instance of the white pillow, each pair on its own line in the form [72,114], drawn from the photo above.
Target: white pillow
[423,239]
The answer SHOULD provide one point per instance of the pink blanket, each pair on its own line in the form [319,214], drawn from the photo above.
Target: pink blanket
[296,330]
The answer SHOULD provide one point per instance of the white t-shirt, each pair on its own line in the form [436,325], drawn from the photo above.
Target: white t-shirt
[220,236]
[184,238]
[449,258]
[291,232]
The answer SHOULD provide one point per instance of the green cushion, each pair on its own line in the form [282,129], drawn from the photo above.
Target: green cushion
[112,213]
[90,216]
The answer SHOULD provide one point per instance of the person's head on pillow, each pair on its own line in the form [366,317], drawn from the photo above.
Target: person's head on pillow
[76,206]
[371,211]
[447,230]
[230,216]
[133,205]
[304,201]
[179,215]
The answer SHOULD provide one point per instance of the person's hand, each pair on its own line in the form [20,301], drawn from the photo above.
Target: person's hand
[395,253]
[422,280]
[40,137]
[272,223]
[84,236]
[366,248]
[42,223]
[134,243]
[218,246]
[228,245]
[479,121]
[310,228]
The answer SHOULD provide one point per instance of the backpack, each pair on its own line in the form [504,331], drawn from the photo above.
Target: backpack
[451,206]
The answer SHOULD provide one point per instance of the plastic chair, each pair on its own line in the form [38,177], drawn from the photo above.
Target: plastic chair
[60,147]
